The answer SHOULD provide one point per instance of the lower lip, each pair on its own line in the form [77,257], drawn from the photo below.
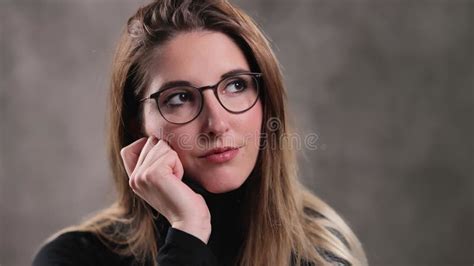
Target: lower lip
[223,156]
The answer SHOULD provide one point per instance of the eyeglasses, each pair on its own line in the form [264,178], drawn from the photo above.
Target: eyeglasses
[183,103]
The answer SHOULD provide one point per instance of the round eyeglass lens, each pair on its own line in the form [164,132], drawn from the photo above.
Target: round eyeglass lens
[238,93]
[179,104]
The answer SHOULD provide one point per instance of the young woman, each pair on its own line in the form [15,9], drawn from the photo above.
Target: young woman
[204,175]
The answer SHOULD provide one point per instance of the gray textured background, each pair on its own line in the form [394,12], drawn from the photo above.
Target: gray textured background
[387,86]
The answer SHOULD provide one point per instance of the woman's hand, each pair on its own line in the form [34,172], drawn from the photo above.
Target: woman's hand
[156,173]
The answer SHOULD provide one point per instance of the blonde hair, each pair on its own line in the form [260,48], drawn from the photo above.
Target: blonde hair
[285,222]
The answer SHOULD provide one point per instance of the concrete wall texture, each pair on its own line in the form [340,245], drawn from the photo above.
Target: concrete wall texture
[387,85]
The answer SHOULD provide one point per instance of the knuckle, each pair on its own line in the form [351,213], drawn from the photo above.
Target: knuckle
[132,183]
[133,175]
[146,176]
[123,152]
[172,153]
[163,145]
[138,178]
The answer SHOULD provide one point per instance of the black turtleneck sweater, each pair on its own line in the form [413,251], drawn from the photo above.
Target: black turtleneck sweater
[175,247]
[226,236]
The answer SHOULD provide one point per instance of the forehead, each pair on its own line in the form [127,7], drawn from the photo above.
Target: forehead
[199,57]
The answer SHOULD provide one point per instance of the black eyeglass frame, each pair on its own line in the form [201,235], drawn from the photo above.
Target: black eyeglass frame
[255,75]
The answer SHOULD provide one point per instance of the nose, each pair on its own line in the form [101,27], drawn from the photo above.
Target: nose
[214,115]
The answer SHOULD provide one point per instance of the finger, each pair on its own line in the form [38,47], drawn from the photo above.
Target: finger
[131,153]
[170,168]
[175,163]
[150,143]
[165,169]
[156,152]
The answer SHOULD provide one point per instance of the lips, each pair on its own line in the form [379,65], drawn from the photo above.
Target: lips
[221,155]
[218,150]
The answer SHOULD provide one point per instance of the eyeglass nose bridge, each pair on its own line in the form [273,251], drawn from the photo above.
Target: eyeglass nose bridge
[209,87]
[214,90]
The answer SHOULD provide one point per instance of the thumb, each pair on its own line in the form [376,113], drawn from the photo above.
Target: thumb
[131,153]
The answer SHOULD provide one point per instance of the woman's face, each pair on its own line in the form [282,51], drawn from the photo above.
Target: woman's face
[201,58]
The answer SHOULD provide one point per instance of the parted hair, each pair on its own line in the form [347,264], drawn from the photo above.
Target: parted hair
[284,222]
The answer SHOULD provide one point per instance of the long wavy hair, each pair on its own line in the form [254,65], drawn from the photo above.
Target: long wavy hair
[286,223]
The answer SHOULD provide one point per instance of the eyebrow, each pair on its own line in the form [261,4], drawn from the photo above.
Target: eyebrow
[176,83]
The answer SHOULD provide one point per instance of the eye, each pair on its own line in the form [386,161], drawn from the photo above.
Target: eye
[177,99]
[236,86]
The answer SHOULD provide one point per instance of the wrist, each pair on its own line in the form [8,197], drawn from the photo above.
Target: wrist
[199,229]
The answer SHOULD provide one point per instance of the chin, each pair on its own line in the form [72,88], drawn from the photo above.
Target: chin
[222,183]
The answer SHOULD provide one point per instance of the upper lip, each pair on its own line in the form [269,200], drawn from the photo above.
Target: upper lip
[218,150]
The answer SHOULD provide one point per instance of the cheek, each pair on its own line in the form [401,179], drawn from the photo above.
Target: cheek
[253,121]
[155,125]
[179,137]
[250,130]
[181,141]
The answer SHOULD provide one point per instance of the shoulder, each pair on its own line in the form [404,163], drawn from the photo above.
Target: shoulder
[76,248]
[327,227]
